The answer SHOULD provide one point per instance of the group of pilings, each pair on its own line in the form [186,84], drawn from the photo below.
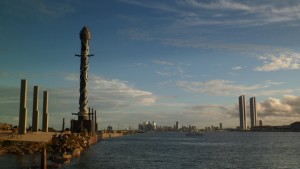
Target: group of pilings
[90,124]
[35,109]
[93,120]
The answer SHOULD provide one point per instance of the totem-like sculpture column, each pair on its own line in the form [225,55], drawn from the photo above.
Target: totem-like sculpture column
[35,109]
[84,66]
[23,109]
[45,112]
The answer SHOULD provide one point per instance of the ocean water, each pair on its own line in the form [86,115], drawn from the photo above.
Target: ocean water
[172,150]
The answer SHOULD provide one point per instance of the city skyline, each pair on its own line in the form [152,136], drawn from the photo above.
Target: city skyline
[166,61]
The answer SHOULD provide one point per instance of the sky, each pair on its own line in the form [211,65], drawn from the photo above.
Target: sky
[158,60]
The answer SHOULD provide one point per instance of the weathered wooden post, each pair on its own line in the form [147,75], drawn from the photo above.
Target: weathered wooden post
[96,126]
[92,123]
[44,158]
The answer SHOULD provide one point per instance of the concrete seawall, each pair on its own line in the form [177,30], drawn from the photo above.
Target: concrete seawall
[104,136]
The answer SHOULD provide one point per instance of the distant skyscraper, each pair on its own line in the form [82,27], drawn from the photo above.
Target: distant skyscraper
[260,123]
[242,108]
[253,114]
[221,127]
[176,125]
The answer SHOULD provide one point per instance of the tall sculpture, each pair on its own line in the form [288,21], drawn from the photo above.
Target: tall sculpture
[84,66]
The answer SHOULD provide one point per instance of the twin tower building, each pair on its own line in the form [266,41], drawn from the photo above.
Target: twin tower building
[242,109]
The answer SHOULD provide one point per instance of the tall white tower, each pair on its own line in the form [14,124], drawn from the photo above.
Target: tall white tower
[253,113]
[242,109]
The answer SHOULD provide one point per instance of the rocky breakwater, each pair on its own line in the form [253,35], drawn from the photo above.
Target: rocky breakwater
[5,127]
[71,144]
[20,147]
[60,149]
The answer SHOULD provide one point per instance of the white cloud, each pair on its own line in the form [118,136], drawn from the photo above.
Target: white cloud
[162,62]
[287,107]
[272,111]
[190,14]
[230,88]
[270,82]
[284,61]
[172,69]
[253,13]
[163,73]
[234,70]
[215,109]
[220,4]
[115,92]
[208,44]
[237,68]
[218,87]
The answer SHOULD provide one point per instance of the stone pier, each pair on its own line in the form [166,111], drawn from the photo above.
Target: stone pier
[45,112]
[35,110]
[23,109]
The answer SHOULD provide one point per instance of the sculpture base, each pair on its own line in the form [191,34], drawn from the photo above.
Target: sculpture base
[81,126]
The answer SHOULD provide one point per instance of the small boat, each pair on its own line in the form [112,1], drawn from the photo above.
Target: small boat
[194,134]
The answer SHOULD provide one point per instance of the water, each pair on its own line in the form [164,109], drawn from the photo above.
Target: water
[215,150]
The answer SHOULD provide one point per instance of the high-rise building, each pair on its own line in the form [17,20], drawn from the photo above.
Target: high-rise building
[242,109]
[260,123]
[253,114]
[176,127]
[220,126]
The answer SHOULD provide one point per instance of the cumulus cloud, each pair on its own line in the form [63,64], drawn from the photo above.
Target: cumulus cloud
[284,61]
[287,107]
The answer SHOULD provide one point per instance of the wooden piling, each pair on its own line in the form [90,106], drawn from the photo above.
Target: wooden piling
[44,158]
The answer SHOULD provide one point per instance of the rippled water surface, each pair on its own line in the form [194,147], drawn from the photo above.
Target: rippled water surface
[215,150]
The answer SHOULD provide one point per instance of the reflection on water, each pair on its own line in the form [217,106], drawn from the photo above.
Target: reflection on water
[175,150]
[19,161]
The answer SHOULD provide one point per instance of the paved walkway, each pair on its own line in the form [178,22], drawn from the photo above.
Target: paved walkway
[32,137]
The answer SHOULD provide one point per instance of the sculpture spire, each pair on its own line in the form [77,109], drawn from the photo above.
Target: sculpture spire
[84,66]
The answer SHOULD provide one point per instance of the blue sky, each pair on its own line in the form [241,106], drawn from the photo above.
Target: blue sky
[163,61]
